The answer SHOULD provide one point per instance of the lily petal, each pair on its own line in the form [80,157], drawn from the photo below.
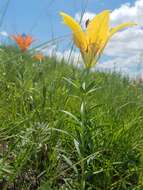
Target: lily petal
[121,27]
[28,40]
[79,35]
[98,27]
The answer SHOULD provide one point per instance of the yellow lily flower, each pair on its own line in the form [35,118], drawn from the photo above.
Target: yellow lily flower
[93,40]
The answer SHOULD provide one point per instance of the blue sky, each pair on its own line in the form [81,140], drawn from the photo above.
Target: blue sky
[41,17]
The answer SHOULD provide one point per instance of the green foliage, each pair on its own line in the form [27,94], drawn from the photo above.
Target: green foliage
[62,128]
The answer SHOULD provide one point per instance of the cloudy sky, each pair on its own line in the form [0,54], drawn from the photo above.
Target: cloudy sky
[41,19]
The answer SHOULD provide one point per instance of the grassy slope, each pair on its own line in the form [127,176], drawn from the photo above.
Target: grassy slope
[61,129]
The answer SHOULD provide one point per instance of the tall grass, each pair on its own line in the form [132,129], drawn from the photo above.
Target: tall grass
[63,129]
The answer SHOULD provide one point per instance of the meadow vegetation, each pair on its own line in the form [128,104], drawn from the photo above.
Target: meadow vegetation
[62,128]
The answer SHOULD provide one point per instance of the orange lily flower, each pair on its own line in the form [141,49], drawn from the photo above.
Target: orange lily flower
[23,41]
[39,57]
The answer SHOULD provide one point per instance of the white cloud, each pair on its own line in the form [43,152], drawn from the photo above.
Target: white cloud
[129,66]
[70,56]
[127,12]
[126,43]
[4,33]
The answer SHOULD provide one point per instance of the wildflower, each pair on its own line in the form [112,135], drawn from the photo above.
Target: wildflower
[39,57]
[23,41]
[93,40]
